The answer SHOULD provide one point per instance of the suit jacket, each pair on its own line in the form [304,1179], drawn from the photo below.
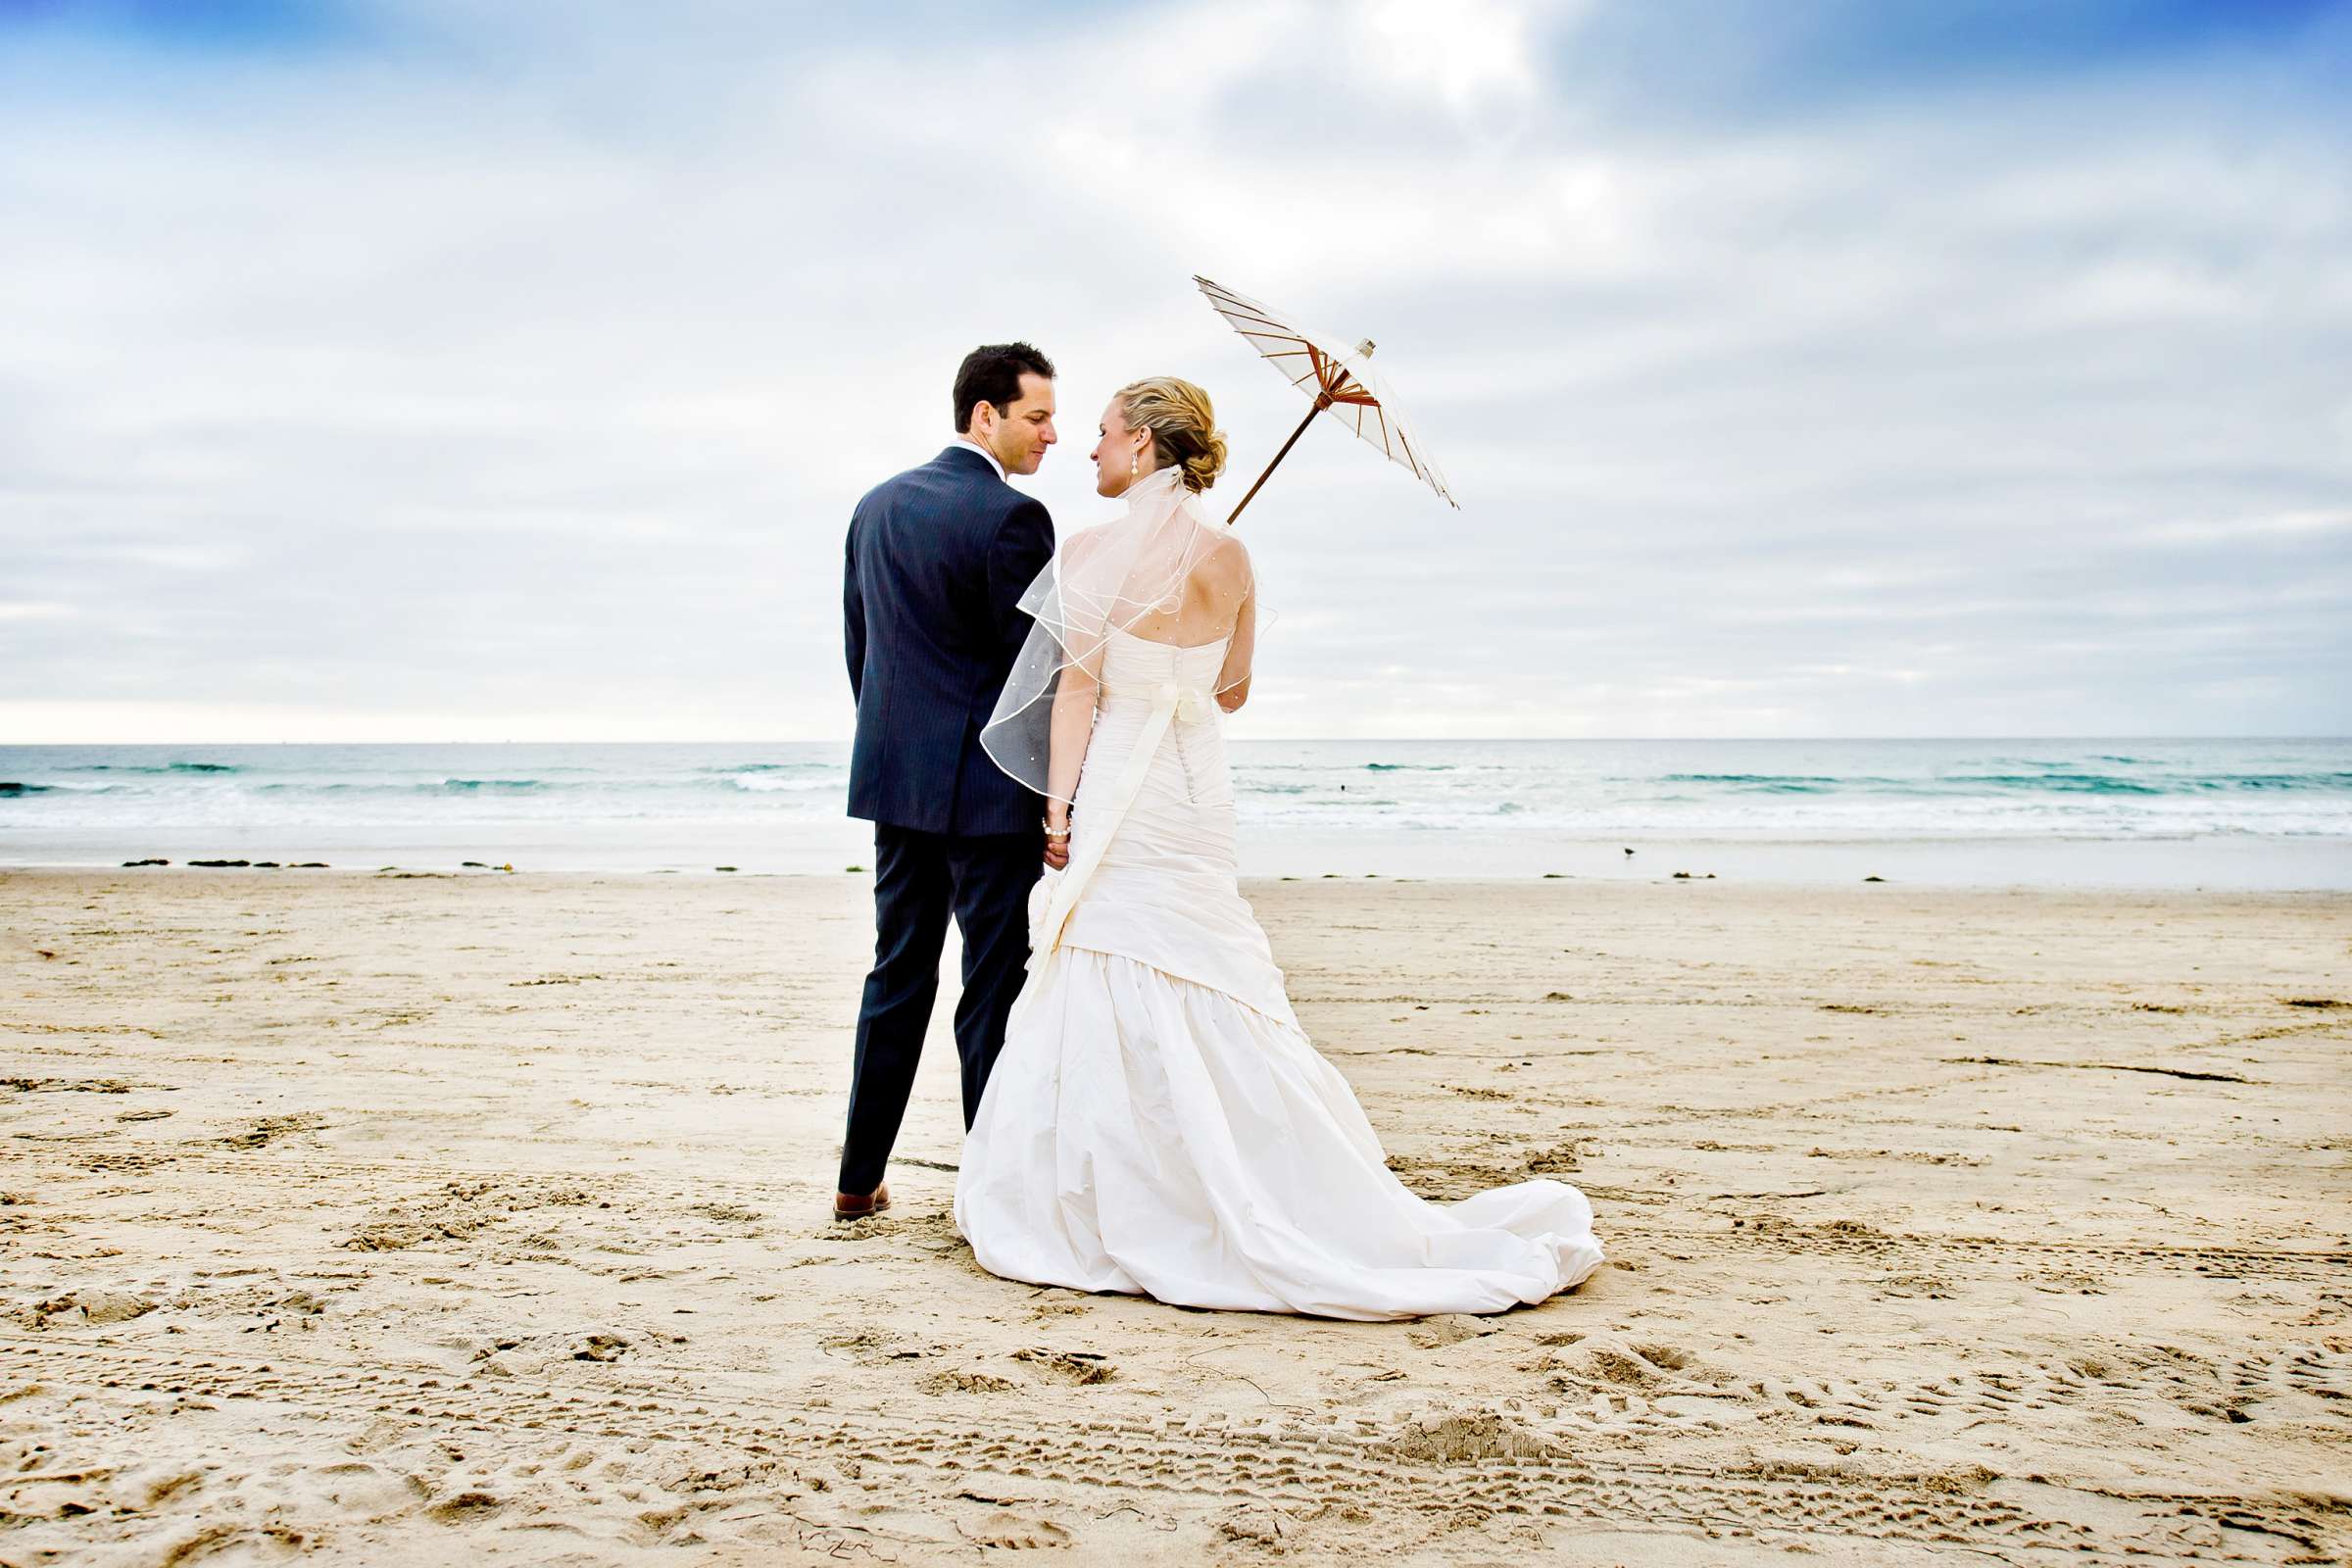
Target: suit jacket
[937,561]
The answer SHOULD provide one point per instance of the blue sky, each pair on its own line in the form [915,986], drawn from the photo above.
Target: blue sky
[1820,367]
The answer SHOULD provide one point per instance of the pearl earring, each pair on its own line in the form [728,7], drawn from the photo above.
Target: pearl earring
[1135,461]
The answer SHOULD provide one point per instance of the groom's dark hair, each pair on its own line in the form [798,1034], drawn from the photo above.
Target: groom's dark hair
[991,373]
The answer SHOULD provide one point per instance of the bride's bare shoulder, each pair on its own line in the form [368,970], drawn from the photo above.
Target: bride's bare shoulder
[1076,547]
[1228,557]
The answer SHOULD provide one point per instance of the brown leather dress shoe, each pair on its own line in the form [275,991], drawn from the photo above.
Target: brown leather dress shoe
[856,1205]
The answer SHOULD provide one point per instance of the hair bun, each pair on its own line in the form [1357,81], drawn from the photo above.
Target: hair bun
[1183,426]
[1202,467]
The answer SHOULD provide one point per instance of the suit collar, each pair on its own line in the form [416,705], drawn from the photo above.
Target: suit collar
[971,456]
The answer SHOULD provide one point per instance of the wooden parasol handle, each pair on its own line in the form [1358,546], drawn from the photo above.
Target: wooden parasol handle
[1322,402]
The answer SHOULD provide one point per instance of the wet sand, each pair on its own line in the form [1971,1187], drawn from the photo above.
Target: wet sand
[418,1220]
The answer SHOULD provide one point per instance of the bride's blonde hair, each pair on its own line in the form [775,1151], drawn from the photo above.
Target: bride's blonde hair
[1183,426]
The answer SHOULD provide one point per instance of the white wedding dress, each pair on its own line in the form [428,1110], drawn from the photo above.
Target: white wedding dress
[1158,1122]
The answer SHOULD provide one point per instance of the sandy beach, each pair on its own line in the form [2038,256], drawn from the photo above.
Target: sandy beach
[418,1220]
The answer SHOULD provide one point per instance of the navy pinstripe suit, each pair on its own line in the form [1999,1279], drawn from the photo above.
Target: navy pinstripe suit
[938,558]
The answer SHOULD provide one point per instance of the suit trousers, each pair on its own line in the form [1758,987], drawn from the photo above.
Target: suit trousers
[919,879]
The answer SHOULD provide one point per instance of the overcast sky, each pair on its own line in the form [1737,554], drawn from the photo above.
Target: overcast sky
[507,370]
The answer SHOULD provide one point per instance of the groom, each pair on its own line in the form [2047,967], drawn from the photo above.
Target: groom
[938,561]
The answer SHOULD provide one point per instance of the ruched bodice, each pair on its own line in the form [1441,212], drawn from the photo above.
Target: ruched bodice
[1138,676]
[1151,830]
[1135,668]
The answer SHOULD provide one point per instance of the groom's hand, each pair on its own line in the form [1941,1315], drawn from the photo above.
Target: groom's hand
[1058,854]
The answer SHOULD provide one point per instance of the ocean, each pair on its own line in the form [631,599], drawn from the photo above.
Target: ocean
[2247,814]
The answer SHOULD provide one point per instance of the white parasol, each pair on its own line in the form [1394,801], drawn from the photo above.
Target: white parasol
[1338,380]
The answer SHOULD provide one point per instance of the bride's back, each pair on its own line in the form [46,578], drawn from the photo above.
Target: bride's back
[1190,586]
[1211,604]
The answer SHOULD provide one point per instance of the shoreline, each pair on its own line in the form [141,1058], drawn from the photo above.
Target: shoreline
[1531,883]
[2236,862]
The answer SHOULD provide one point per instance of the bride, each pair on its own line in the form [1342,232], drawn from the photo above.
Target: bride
[1158,1122]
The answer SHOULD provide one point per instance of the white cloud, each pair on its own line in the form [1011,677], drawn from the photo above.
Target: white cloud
[2280,526]
[1469,52]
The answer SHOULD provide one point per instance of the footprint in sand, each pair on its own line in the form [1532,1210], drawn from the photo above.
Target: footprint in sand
[273,1544]
[1069,1367]
[1436,1333]
[1015,1532]
[957,1381]
[1468,1439]
[465,1508]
